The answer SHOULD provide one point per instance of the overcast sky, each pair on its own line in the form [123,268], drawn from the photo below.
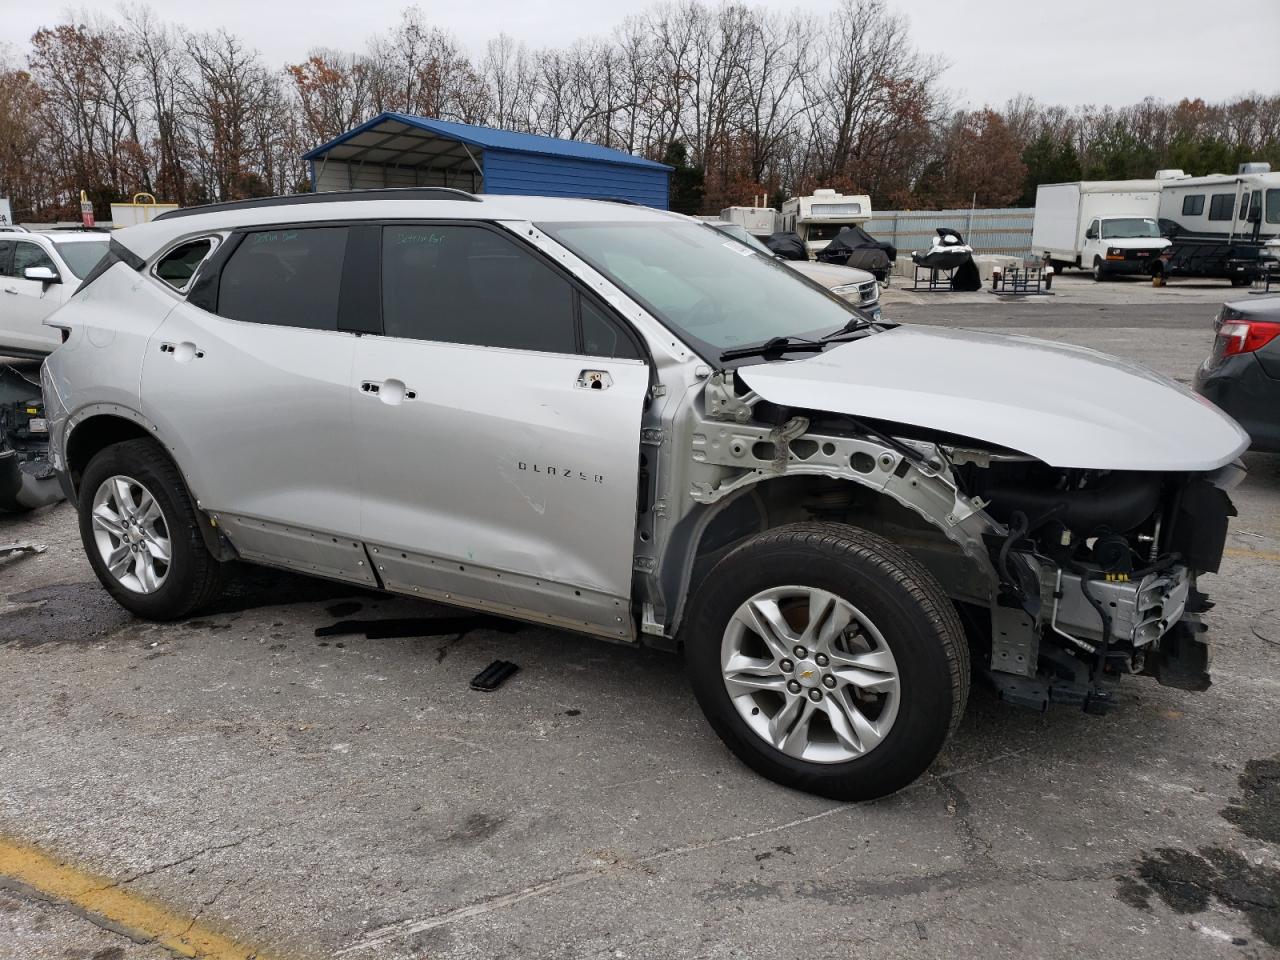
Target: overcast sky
[1124,52]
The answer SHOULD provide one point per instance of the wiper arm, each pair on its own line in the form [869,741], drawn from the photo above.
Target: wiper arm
[853,326]
[772,345]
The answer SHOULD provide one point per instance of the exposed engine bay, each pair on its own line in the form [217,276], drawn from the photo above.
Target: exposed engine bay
[1065,577]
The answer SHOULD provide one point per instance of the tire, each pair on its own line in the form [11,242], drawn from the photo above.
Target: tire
[1098,275]
[130,473]
[1241,281]
[898,607]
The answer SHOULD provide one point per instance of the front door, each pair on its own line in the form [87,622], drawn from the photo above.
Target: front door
[498,425]
[254,397]
[26,302]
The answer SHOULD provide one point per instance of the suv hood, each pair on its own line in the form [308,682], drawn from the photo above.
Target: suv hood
[829,274]
[1137,243]
[1068,406]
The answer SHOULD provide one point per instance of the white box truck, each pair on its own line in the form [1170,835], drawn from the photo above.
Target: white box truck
[1105,226]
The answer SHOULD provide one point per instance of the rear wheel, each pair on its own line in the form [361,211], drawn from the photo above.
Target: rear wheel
[141,533]
[828,660]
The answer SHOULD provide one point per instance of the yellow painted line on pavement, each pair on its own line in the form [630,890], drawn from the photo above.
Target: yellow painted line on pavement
[1268,556]
[100,896]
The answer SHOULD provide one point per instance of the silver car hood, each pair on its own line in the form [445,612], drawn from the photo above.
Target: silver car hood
[1068,406]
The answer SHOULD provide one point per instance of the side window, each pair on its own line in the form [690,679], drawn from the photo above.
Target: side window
[6,255]
[179,265]
[601,336]
[1272,211]
[26,254]
[289,278]
[460,284]
[1244,205]
[1222,206]
[1255,206]
[1093,229]
[1193,205]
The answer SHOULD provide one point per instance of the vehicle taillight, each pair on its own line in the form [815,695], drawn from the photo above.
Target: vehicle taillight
[1244,336]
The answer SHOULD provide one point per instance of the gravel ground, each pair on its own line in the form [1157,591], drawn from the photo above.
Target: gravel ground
[340,796]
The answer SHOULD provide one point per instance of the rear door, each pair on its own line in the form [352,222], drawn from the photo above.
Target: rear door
[249,381]
[498,425]
[27,303]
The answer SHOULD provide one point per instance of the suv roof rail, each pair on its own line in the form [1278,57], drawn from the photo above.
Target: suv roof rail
[329,196]
[13,228]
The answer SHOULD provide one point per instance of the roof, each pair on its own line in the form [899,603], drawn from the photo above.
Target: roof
[363,140]
[147,239]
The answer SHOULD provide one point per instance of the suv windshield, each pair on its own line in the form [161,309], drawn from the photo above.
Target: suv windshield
[1129,228]
[81,256]
[713,290]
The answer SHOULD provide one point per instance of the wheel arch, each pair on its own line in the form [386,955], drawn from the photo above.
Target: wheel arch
[96,428]
[710,531]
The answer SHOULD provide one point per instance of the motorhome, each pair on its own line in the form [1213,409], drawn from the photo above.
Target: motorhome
[1244,205]
[1223,225]
[818,218]
[1104,226]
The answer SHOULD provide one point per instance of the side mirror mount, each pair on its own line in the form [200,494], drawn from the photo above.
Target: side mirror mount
[43,274]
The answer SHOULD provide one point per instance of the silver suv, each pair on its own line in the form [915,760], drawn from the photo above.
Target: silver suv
[614,420]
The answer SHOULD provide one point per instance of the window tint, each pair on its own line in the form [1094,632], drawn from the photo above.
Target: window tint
[291,278]
[1244,205]
[178,266]
[1221,206]
[471,285]
[1193,205]
[6,251]
[1272,214]
[601,336]
[27,255]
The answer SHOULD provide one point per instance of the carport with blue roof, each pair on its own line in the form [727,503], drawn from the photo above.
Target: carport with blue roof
[400,150]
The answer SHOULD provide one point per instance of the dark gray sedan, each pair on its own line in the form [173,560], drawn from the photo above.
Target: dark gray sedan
[1242,373]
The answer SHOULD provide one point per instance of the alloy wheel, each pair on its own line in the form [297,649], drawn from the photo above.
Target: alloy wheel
[810,674]
[131,534]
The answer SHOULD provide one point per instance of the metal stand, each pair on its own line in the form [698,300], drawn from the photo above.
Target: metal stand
[1024,281]
[932,280]
[1262,286]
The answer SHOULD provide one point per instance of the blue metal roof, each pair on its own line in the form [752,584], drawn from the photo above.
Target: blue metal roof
[490,138]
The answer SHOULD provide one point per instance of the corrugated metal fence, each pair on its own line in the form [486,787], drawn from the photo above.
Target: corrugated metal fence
[1004,230]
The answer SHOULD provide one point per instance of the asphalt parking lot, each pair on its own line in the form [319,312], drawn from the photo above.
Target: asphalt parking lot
[245,785]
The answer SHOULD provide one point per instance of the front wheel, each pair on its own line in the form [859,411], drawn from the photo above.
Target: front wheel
[828,660]
[141,533]
[1098,275]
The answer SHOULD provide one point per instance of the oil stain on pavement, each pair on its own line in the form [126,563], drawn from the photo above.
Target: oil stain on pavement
[1188,882]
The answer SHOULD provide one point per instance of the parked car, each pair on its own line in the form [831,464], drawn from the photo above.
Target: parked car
[38,273]
[607,419]
[1242,372]
[856,286]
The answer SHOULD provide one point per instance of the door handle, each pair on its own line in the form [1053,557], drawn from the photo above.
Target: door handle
[594,380]
[183,352]
[12,290]
[388,391]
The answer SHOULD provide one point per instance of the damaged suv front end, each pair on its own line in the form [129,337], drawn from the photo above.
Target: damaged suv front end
[1075,520]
